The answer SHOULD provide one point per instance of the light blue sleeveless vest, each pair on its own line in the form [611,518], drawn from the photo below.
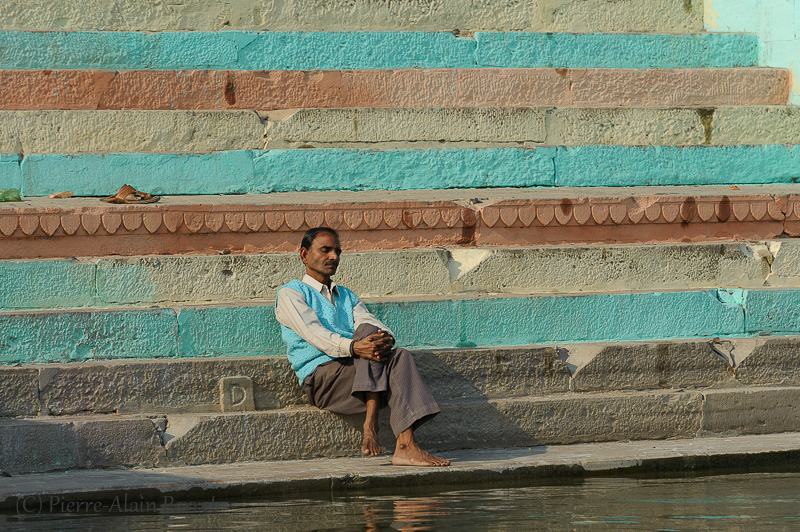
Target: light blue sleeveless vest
[303,356]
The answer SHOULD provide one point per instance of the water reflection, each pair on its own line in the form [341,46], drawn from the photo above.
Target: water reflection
[749,502]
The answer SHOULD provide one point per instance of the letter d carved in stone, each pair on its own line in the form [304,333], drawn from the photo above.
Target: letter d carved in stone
[236,394]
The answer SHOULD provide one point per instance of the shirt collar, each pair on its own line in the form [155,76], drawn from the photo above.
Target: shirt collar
[318,286]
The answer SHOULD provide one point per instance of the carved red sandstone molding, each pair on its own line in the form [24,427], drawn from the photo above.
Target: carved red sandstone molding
[27,232]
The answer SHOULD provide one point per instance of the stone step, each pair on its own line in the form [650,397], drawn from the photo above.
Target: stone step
[432,322]
[297,170]
[200,279]
[321,50]
[191,386]
[71,132]
[218,488]
[399,88]
[42,228]
[75,442]
[672,16]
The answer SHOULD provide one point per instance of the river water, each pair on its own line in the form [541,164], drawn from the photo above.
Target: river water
[749,502]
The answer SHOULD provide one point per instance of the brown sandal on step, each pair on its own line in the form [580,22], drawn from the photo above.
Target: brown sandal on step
[128,194]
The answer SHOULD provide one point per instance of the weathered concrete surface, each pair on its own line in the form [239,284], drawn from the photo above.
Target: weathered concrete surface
[328,126]
[751,411]
[774,312]
[515,422]
[59,132]
[162,386]
[296,170]
[391,220]
[404,88]
[322,50]
[77,336]
[436,322]
[129,131]
[344,475]
[646,366]
[588,50]
[313,15]
[192,386]
[19,395]
[47,284]
[777,361]
[37,445]
[193,279]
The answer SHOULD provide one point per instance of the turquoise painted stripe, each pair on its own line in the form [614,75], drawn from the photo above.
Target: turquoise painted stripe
[620,166]
[47,284]
[368,50]
[236,172]
[596,50]
[773,312]
[282,170]
[40,337]
[287,170]
[10,173]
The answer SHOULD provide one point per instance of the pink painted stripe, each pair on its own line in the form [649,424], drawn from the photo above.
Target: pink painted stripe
[282,89]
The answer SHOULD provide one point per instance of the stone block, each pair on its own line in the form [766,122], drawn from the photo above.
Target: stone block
[129,131]
[236,394]
[647,366]
[46,283]
[19,393]
[751,411]
[77,336]
[163,386]
[492,373]
[48,444]
[776,361]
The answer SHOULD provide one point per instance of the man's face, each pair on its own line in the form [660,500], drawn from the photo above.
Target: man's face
[322,258]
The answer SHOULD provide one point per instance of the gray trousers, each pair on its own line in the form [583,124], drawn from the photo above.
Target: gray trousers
[341,385]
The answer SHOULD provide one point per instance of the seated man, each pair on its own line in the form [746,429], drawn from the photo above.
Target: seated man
[343,354]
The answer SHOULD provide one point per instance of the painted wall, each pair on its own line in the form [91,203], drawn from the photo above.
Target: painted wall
[775,22]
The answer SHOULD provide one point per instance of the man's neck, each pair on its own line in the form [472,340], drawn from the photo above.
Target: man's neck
[324,279]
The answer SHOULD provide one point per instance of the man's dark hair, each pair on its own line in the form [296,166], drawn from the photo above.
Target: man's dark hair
[311,234]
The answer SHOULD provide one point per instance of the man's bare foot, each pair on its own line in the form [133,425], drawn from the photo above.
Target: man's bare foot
[371,445]
[412,455]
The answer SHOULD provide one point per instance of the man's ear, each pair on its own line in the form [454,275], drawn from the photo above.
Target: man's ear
[303,254]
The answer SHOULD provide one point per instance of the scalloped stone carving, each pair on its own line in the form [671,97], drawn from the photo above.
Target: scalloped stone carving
[294,220]
[508,215]
[9,224]
[214,221]
[373,218]
[132,220]
[393,217]
[741,210]
[527,214]
[353,219]
[274,220]
[758,210]
[111,222]
[71,223]
[412,218]
[152,221]
[451,217]
[431,217]
[335,218]
[670,211]
[172,221]
[193,221]
[600,213]
[490,215]
[28,223]
[582,213]
[90,223]
[235,221]
[255,220]
[315,218]
[545,214]
[50,223]
[618,213]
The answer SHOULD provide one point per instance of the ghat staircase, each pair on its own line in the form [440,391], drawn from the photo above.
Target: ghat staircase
[582,215]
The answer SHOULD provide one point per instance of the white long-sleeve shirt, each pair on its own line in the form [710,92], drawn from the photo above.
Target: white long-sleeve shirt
[292,311]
